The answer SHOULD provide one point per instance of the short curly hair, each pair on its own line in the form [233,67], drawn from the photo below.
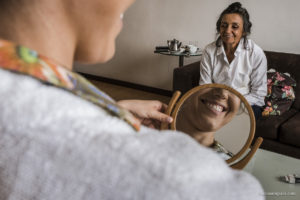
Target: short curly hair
[236,8]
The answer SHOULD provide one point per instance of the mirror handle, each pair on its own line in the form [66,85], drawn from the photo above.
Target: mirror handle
[176,95]
[242,163]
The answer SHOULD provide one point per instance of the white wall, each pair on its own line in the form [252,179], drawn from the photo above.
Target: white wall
[149,23]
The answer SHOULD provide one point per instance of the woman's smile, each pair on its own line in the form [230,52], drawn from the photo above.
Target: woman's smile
[228,36]
[215,107]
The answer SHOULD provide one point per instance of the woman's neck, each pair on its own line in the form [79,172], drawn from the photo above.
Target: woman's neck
[49,36]
[203,137]
[229,51]
[206,139]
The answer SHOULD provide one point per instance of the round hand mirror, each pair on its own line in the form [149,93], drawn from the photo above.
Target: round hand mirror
[218,117]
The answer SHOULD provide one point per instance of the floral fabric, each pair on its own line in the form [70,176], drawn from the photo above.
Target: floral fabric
[23,60]
[280,95]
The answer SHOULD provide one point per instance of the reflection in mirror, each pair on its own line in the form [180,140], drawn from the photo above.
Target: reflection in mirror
[234,135]
[216,118]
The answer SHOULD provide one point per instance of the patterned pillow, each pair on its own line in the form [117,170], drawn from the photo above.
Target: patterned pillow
[281,93]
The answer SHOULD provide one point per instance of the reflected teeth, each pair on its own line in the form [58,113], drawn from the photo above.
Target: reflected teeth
[215,107]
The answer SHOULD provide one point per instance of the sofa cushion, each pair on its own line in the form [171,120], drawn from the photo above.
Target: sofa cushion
[284,62]
[267,127]
[296,104]
[276,146]
[290,131]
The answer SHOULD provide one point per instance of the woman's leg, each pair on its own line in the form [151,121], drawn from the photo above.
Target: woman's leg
[257,111]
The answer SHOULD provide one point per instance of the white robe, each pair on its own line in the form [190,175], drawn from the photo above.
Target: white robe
[54,145]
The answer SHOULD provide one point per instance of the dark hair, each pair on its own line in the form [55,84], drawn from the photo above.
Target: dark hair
[236,8]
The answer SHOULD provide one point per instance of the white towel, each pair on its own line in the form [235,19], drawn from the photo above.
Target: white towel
[54,145]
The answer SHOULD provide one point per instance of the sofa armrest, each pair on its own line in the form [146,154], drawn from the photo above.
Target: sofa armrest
[186,77]
[269,127]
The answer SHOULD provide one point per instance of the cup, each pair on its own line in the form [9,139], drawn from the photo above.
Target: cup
[191,48]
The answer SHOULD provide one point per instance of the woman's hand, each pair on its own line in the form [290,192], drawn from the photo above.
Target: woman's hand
[149,112]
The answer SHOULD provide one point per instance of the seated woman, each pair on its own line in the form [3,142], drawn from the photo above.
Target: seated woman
[204,113]
[62,138]
[235,60]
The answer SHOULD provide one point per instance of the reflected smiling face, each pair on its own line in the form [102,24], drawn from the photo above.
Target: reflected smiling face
[212,108]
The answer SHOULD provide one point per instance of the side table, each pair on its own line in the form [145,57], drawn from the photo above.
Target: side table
[181,55]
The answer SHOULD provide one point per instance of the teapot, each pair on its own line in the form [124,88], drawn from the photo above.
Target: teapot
[174,45]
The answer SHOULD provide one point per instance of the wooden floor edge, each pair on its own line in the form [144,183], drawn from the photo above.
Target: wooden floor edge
[159,91]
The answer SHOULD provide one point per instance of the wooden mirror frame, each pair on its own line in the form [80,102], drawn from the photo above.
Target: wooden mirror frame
[171,111]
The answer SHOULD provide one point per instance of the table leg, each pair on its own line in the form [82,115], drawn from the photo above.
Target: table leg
[181,61]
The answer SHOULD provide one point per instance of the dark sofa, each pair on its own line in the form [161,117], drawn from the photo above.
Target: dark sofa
[281,134]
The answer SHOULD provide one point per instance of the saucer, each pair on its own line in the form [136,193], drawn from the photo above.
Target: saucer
[181,50]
